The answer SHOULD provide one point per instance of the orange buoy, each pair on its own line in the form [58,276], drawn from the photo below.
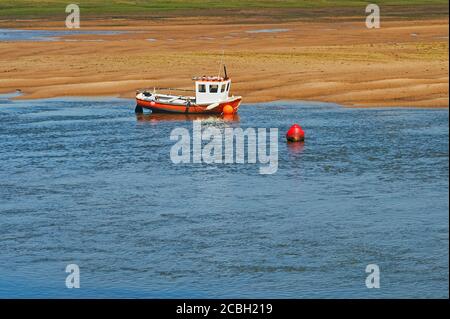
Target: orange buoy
[295,134]
[228,109]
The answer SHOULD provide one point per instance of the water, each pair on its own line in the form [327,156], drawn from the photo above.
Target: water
[14,35]
[268,31]
[85,181]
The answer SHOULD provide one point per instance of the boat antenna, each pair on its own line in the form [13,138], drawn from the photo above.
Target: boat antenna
[225,71]
[221,62]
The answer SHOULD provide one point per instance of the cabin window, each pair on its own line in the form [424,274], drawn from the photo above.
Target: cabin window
[228,86]
[202,88]
[213,88]
[223,88]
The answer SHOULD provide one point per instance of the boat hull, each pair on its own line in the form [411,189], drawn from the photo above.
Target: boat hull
[158,107]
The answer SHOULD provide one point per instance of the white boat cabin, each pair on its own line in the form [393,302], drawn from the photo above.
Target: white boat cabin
[211,89]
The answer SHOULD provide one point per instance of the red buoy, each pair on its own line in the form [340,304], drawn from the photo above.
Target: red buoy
[295,134]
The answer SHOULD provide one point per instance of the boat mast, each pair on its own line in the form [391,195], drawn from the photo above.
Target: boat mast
[225,72]
[221,63]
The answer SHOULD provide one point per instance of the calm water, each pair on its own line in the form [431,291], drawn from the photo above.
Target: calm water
[267,30]
[87,182]
[15,35]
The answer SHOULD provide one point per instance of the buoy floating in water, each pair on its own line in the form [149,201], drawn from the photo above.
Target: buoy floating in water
[228,109]
[295,134]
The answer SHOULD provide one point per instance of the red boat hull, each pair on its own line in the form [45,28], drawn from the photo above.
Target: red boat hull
[193,109]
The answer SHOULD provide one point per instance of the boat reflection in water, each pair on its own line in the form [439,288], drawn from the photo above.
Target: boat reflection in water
[176,117]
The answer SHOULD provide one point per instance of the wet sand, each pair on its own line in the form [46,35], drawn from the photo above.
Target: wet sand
[404,63]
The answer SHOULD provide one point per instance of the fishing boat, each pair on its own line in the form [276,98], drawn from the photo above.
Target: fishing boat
[212,96]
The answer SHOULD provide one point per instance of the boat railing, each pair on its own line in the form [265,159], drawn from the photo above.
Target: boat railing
[163,89]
